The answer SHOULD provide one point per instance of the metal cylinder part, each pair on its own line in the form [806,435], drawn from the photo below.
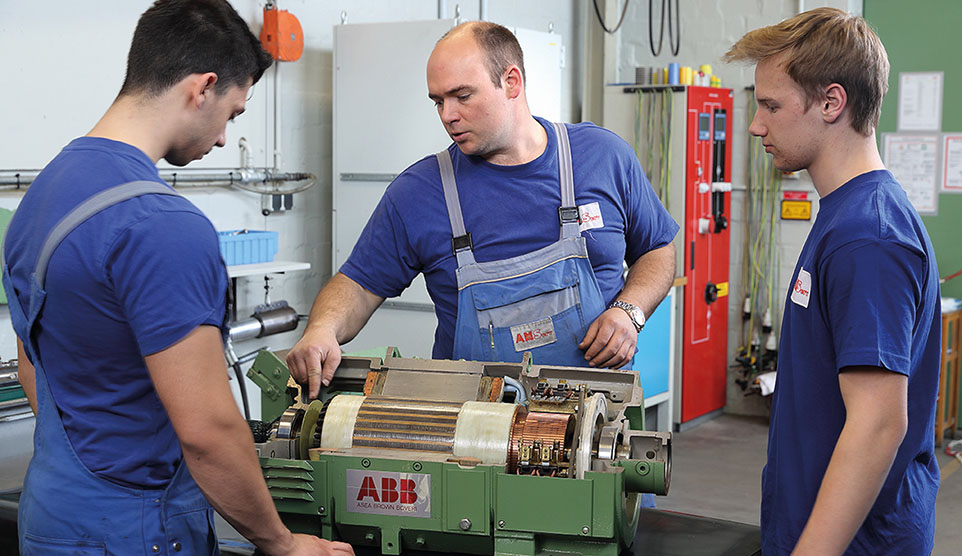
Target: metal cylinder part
[494,433]
[245,329]
[406,424]
[264,323]
[282,319]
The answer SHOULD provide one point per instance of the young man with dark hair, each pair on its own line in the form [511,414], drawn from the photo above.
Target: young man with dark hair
[851,464]
[117,294]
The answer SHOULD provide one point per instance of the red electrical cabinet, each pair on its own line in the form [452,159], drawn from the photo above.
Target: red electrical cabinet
[707,185]
[683,138]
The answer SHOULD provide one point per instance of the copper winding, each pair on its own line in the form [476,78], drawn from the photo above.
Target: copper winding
[545,428]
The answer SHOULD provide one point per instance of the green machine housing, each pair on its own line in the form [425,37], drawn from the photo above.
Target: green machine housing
[461,456]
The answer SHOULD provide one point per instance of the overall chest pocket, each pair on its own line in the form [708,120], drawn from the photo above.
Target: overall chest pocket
[527,298]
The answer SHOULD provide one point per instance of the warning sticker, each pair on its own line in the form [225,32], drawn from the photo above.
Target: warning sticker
[534,334]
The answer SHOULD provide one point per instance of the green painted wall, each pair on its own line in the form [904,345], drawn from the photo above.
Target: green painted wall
[924,36]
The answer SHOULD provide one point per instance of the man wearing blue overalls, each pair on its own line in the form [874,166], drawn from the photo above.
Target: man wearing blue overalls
[521,228]
[117,293]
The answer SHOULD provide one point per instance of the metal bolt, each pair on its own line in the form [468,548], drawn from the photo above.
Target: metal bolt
[501,524]
[277,372]
[365,463]
[417,466]
[155,549]
[176,546]
[466,524]
[369,537]
[419,541]
[584,530]
[321,510]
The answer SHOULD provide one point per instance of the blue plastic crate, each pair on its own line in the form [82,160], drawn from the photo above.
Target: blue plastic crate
[247,246]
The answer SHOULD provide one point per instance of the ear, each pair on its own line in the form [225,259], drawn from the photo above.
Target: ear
[833,103]
[200,87]
[512,82]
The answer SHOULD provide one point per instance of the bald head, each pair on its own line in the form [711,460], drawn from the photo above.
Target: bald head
[499,47]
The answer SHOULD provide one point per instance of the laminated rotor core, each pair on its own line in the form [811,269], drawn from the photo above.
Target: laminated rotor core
[478,430]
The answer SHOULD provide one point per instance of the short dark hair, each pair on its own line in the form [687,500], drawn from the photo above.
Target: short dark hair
[499,45]
[177,38]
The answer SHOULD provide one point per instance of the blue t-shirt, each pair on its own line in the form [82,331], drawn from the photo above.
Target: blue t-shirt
[129,282]
[868,276]
[509,211]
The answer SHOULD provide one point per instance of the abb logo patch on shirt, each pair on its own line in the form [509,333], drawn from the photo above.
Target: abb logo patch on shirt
[802,290]
[590,217]
[533,334]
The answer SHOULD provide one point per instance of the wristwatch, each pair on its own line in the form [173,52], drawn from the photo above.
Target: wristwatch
[637,315]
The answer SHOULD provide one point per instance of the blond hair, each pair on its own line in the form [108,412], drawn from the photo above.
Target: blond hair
[825,46]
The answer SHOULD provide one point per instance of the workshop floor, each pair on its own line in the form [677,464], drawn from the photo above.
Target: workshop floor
[717,468]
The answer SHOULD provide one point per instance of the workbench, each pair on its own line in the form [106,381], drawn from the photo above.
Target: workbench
[660,533]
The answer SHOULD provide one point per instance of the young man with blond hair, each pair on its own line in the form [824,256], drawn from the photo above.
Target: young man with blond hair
[851,464]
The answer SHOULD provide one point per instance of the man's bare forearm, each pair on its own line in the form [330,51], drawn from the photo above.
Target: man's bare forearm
[343,307]
[875,425]
[650,278]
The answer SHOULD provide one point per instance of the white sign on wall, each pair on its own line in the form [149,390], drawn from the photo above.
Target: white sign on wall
[952,166]
[920,101]
[913,160]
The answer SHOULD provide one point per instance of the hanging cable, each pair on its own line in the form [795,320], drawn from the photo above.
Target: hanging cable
[651,32]
[675,47]
[947,278]
[601,20]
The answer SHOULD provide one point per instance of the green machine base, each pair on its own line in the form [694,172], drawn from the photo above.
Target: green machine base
[567,483]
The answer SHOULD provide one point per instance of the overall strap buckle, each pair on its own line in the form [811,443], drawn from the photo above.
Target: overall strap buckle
[462,243]
[569,215]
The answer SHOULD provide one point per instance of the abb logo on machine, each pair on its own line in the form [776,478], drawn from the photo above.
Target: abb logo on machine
[388,493]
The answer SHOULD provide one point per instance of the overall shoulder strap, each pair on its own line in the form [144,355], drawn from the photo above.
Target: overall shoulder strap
[461,243]
[568,212]
[87,209]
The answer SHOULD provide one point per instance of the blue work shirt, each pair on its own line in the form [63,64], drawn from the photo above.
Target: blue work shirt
[865,293]
[129,282]
[509,211]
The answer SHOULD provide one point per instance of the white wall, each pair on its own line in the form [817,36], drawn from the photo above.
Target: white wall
[64,63]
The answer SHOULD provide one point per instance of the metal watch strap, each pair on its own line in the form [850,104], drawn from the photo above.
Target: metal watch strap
[630,310]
